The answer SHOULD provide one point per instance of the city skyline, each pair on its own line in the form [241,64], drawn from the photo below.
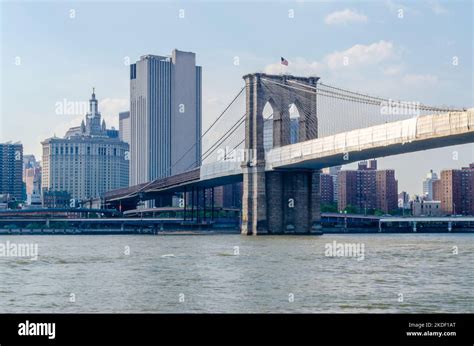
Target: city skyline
[375,53]
[163,159]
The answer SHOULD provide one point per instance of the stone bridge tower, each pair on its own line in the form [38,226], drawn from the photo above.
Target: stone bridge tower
[279,201]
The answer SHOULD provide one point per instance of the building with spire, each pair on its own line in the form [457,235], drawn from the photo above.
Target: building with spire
[88,161]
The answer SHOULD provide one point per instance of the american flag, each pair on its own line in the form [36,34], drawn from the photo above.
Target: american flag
[284,61]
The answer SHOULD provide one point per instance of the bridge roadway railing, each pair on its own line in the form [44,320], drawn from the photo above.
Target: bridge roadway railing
[220,169]
[398,132]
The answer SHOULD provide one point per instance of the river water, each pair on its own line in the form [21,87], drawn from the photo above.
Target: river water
[233,273]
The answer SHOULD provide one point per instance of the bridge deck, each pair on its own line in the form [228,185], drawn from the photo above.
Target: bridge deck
[420,133]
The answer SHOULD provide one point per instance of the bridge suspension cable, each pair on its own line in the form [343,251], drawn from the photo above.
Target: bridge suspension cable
[222,139]
[340,110]
[223,112]
[205,133]
[365,97]
[193,146]
[242,141]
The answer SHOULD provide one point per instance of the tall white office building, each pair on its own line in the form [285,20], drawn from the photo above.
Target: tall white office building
[431,177]
[165,116]
[124,127]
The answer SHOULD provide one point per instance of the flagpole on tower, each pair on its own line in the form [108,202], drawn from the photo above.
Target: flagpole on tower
[283,62]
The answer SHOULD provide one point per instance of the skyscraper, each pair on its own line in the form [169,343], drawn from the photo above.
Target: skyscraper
[124,127]
[32,179]
[11,170]
[428,192]
[88,161]
[165,116]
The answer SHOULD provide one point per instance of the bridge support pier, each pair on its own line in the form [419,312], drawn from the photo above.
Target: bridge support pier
[254,212]
[281,202]
[278,202]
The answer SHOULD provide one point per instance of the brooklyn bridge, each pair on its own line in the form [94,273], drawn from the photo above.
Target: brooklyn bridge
[290,129]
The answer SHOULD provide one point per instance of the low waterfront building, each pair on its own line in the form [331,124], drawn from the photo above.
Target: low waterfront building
[422,207]
[56,199]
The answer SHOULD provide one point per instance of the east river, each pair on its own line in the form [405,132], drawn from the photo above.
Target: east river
[414,273]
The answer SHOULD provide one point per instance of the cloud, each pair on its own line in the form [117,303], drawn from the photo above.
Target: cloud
[392,70]
[360,54]
[110,109]
[64,123]
[297,66]
[345,17]
[420,79]
[438,9]
[356,56]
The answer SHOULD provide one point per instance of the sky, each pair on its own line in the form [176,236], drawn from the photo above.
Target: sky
[53,53]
